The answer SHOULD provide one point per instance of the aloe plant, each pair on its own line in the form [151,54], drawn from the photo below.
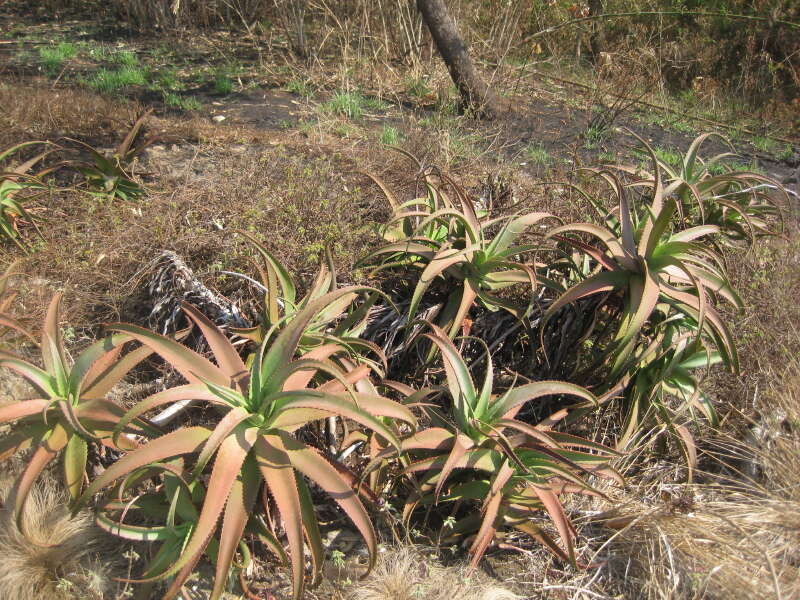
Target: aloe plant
[253,441]
[340,322]
[736,201]
[455,246]
[70,409]
[649,262]
[167,514]
[662,387]
[407,216]
[481,452]
[381,478]
[12,183]
[108,176]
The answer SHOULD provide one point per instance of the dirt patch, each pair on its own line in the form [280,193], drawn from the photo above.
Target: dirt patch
[263,109]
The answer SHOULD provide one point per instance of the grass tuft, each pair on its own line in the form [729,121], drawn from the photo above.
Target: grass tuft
[223,84]
[109,82]
[125,58]
[594,136]
[166,79]
[184,103]
[416,87]
[538,155]
[351,105]
[390,135]
[56,557]
[53,57]
[300,87]
[405,573]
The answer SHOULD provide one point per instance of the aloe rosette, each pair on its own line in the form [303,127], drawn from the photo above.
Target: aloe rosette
[70,409]
[253,442]
[476,263]
[649,262]
[483,453]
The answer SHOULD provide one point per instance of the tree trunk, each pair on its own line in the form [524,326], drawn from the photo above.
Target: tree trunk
[475,94]
[292,14]
[595,36]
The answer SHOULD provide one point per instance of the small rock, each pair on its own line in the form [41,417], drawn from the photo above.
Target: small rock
[218,118]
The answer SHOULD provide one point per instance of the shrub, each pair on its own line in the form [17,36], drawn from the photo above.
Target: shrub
[654,268]
[661,281]
[711,192]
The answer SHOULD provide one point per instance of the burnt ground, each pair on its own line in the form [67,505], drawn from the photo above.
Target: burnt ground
[566,125]
[556,128]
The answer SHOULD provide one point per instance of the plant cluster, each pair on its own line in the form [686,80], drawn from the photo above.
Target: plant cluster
[247,468]
[106,176]
[18,186]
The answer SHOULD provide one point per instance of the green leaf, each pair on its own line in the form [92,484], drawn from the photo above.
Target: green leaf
[508,234]
[187,362]
[459,380]
[282,350]
[182,441]
[95,352]
[75,465]
[276,469]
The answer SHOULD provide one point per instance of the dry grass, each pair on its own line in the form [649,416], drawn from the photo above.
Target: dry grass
[660,540]
[781,447]
[57,556]
[36,111]
[714,540]
[405,573]
[40,112]
[289,195]
[735,547]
